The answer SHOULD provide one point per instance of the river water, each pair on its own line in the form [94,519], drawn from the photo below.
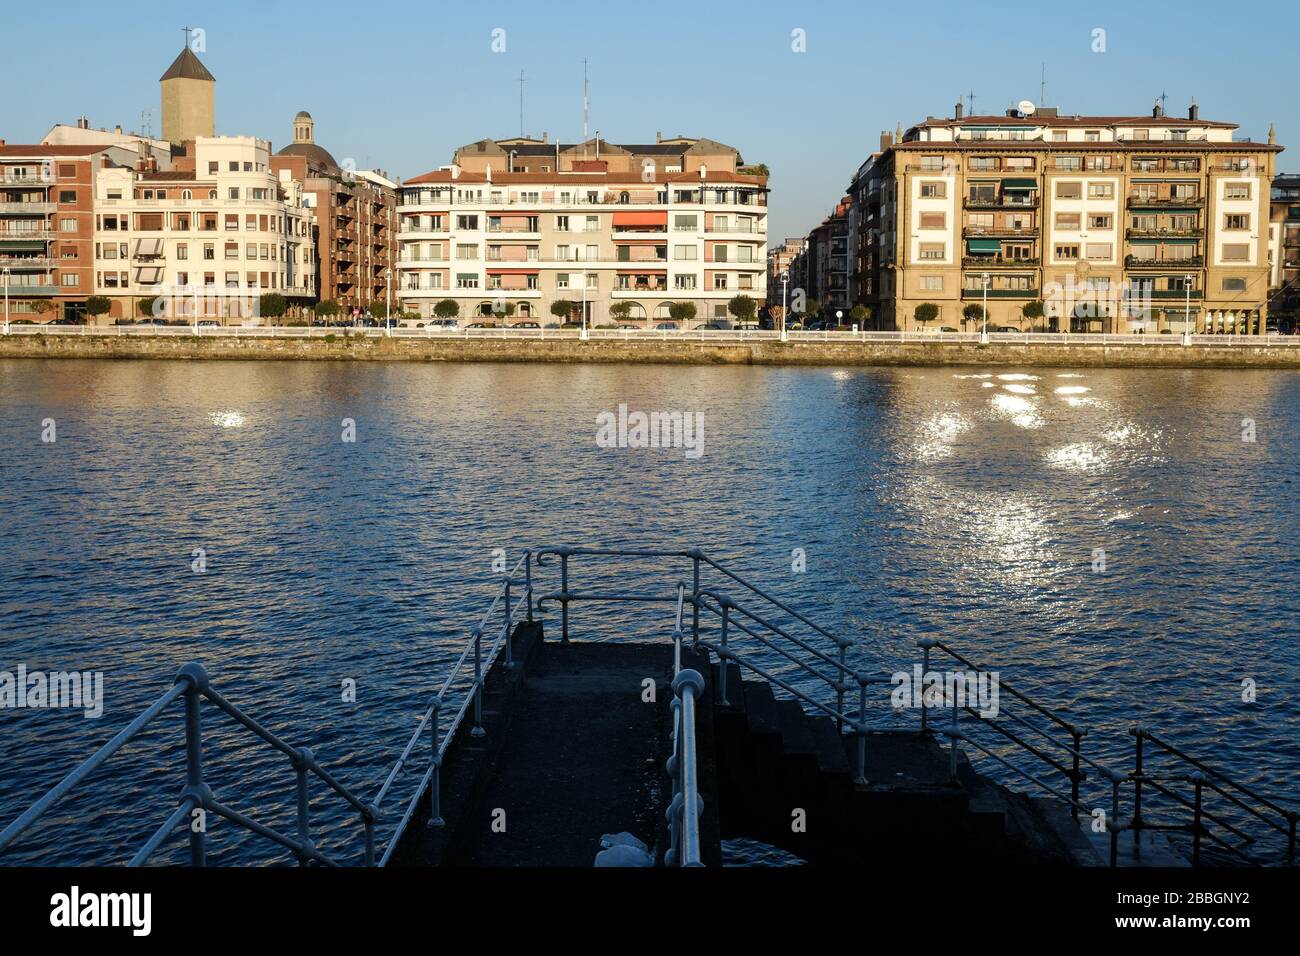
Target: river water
[1112,542]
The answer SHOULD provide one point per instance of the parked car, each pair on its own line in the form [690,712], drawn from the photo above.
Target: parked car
[629,325]
[525,325]
[667,326]
[481,325]
[124,321]
[714,325]
[207,323]
[946,328]
[1005,328]
[747,326]
[68,320]
[1271,329]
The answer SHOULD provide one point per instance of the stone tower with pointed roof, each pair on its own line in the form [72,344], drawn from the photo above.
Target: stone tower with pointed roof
[188,99]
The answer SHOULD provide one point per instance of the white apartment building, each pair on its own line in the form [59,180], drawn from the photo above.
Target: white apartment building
[210,235]
[649,236]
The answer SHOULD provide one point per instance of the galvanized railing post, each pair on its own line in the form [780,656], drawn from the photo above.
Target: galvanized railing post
[435,779]
[861,728]
[300,770]
[695,593]
[952,749]
[564,598]
[1137,781]
[478,730]
[506,615]
[723,655]
[198,681]
[528,582]
[926,643]
[840,685]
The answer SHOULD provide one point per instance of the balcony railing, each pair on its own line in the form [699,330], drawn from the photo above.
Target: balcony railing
[998,261]
[26,235]
[25,208]
[33,289]
[996,231]
[1167,293]
[30,179]
[31,262]
[1143,233]
[967,293]
[1001,202]
[1148,202]
[1144,262]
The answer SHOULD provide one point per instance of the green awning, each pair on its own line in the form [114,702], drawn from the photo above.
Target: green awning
[1020,184]
[25,245]
[986,246]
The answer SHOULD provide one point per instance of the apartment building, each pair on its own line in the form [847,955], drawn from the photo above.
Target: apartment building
[1114,223]
[47,229]
[822,267]
[356,219]
[1284,252]
[516,225]
[210,236]
[779,261]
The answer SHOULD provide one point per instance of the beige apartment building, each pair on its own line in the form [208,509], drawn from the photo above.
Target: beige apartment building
[516,225]
[210,236]
[1113,223]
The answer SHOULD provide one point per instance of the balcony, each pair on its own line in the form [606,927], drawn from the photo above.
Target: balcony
[994,262]
[1000,293]
[996,232]
[1165,202]
[1166,233]
[1167,293]
[30,179]
[32,262]
[28,235]
[8,208]
[754,230]
[1143,262]
[1002,202]
[33,289]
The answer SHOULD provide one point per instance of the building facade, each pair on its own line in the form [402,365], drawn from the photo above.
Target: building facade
[1113,224]
[1284,251]
[210,236]
[512,227]
[47,229]
[779,262]
[356,221]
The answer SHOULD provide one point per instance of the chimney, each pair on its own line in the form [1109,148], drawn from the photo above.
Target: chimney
[659,136]
[1157,111]
[958,112]
[543,136]
[885,141]
[1193,111]
[118,128]
[83,122]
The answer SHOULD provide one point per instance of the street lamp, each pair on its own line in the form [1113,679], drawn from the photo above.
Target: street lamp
[984,332]
[5,273]
[582,331]
[785,302]
[388,308]
[1187,310]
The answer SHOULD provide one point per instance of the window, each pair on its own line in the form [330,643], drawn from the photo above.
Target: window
[983,163]
[931,283]
[1100,221]
[68,197]
[684,282]
[934,189]
[932,164]
[561,223]
[1100,250]
[1069,190]
[1233,221]
[466,250]
[1092,136]
[719,282]
[1101,190]
[932,250]
[1236,252]
[233,192]
[1067,253]
[67,170]
[212,169]
[209,251]
[1074,163]
[232,223]
[1236,191]
[983,192]
[685,252]
[232,250]
[561,280]
[1234,284]
[466,280]
[68,279]
[182,251]
[67,225]
[1067,221]
[467,222]
[933,220]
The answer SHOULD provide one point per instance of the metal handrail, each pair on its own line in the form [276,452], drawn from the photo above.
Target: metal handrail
[1202,778]
[683,813]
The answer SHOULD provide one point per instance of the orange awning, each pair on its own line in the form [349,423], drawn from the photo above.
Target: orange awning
[640,219]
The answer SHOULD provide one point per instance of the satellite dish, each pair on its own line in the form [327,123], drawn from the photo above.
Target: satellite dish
[1026,107]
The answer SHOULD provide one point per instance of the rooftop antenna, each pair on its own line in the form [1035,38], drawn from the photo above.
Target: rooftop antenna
[970,108]
[585,103]
[146,124]
[1042,85]
[521,103]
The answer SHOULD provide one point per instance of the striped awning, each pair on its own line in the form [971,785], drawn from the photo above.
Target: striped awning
[984,246]
[148,275]
[148,247]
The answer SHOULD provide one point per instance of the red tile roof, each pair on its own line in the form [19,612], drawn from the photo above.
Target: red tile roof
[559,179]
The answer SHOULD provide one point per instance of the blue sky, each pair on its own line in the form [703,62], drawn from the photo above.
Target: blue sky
[397,85]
